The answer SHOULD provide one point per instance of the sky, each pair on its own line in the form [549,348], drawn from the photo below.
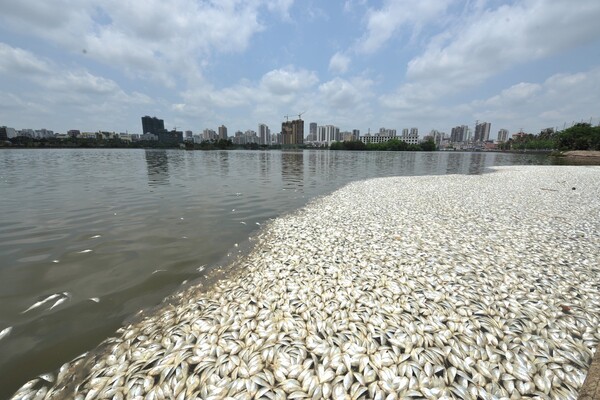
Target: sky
[357,64]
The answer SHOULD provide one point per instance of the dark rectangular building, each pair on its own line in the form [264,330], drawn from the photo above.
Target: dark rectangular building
[152,125]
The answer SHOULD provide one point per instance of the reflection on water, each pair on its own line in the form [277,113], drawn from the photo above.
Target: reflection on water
[144,245]
[157,162]
[292,169]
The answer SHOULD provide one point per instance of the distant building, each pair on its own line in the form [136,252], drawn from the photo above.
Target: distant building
[387,132]
[503,135]
[382,139]
[171,137]
[3,134]
[152,125]
[482,132]
[410,137]
[292,132]
[264,134]
[222,132]
[459,134]
[73,133]
[312,132]
[209,134]
[356,134]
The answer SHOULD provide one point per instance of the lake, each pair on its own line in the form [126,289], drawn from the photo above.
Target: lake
[119,230]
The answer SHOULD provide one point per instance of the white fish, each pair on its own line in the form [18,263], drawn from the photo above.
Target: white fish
[258,223]
[181,218]
[5,332]
[96,236]
[84,251]
[201,268]
[39,303]
[58,302]
[95,299]
[233,210]
[158,270]
[55,261]
[242,222]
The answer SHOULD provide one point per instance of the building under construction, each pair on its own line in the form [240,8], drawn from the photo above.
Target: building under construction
[292,132]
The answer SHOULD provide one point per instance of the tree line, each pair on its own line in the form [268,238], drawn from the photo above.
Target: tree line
[390,145]
[581,136]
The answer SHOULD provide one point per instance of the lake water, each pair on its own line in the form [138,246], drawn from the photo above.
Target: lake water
[129,226]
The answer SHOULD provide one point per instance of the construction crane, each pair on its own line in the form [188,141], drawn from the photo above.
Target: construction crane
[300,115]
[286,118]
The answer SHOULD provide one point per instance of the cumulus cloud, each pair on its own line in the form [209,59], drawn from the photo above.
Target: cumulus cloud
[495,39]
[288,80]
[526,103]
[339,63]
[385,22]
[149,40]
[18,61]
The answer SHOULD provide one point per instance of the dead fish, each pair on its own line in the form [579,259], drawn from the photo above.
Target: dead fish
[39,303]
[5,332]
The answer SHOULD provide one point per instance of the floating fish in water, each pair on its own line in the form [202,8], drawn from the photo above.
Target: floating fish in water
[55,261]
[5,332]
[39,303]
[96,236]
[242,222]
[85,251]
[201,268]
[59,302]
[258,223]
[158,270]
[95,299]
[233,210]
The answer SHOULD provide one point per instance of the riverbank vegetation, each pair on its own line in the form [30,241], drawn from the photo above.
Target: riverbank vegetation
[582,136]
[390,145]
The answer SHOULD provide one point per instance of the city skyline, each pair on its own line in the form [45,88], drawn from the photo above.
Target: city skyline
[89,65]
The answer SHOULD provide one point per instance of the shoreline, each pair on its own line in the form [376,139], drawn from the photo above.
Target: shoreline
[357,293]
[588,154]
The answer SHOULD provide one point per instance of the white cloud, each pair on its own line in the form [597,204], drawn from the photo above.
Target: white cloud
[494,40]
[384,23]
[339,63]
[288,80]
[19,61]
[150,40]
[51,90]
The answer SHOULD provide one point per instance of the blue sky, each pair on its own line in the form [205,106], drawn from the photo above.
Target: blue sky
[431,64]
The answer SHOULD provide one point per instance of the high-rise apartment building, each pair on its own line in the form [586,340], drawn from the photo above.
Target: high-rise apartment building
[482,132]
[222,132]
[312,131]
[292,132]
[502,135]
[459,134]
[264,134]
[152,125]
[355,134]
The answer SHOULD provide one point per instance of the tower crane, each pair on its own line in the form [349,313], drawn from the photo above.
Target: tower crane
[300,115]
